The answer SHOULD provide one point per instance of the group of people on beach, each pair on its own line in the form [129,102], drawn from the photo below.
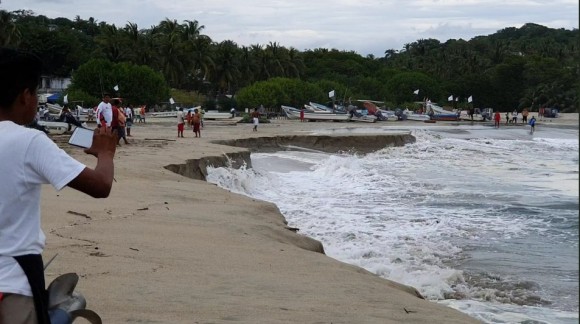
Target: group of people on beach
[30,159]
[110,113]
[514,120]
[194,121]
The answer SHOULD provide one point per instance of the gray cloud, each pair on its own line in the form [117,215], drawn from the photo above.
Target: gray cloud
[364,26]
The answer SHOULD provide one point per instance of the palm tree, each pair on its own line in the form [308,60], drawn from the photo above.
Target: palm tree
[170,48]
[170,51]
[169,27]
[110,43]
[191,30]
[226,66]
[262,60]
[199,53]
[9,32]
[295,65]
[276,59]
[248,66]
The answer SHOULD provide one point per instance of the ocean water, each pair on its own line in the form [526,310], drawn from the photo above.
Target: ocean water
[479,219]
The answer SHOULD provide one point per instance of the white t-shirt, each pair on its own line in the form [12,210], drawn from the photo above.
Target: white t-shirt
[128,112]
[28,159]
[180,119]
[106,110]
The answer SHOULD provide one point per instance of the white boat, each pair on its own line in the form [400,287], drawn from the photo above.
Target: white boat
[313,109]
[55,128]
[162,114]
[364,118]
[319,106]
[54,108]
[216,115]
[338,109]
[294,113]
[412,116]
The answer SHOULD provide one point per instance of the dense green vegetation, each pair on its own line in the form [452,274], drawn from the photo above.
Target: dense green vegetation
[513,68]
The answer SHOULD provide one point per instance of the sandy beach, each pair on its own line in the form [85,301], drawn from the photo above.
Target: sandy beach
[166,248]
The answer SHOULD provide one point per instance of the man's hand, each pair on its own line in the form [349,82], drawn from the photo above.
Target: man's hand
[104,142]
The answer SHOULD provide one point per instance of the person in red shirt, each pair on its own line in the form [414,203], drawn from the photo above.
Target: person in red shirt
[302,114]
[496,118]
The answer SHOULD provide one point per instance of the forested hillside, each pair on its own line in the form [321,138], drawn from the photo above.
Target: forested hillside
[512,68]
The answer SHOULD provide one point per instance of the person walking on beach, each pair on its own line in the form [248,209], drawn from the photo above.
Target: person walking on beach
[255,119]
[507,117]
[532,125]
[515,117]
[137,114]
[196,121]
[105,111]
[30,159]
[143,114]
[302,114]
[129,121]
[233,112]
[496,118]
[541,113]
[525,114]
[201,115]
[180,123]
[118,122]
[188,119]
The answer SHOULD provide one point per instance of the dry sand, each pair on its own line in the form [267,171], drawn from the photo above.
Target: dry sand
[164,248]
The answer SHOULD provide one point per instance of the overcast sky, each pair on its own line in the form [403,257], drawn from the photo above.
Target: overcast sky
[363,26]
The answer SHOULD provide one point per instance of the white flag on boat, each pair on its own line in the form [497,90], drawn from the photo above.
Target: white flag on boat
[65,100]
[171,101]
[416,92]
[331,94]
[456,98]
[116,88]
[470,99]
[450,98]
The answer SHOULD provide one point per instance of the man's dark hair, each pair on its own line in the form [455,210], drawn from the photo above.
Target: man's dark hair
[106,95]
[18,71]
[116,102]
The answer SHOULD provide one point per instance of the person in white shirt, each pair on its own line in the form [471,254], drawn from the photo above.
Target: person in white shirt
[180,122]
[29,159]
[129,121]
[105,111]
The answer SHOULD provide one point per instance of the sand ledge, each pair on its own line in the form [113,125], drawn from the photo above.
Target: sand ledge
[197,168]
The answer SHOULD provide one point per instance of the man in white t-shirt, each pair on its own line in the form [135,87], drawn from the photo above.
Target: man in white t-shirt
[129,120]
[105,111]
[28,159]
[180,122]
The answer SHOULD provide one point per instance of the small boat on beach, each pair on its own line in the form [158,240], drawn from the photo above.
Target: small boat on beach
[294,113]
[162,114]
[413,116]
[438,113]
[55,128]
[216,115]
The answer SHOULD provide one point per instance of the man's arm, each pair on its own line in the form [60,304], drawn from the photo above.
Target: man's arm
[98,182]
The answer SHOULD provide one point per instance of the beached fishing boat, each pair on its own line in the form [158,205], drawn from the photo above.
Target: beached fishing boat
[216,115]
[338,109]
[445,117]
[55,128]
[294,113]
[364,118]
[162,114]
[413,116]
[441,114]
[314,109]
[372,109]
